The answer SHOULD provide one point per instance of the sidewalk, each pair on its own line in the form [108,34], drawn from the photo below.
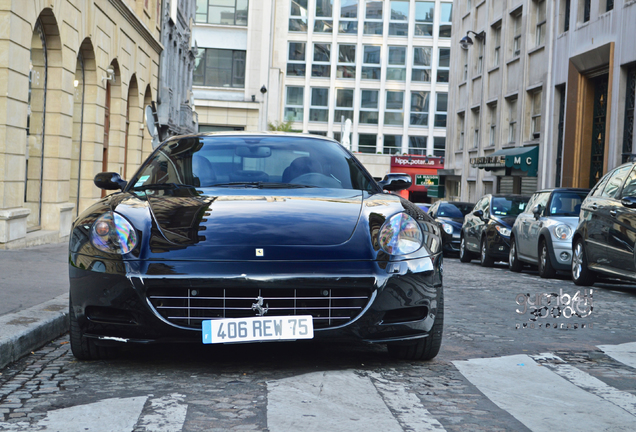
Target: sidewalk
[33,298]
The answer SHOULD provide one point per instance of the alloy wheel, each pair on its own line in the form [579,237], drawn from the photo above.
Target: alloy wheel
[512,254]
[543,257]
[577,261]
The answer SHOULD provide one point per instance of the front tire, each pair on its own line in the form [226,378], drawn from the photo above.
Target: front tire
[485,259]
[513,259]
[581,275]
[84,348]
[465,255]
[546,269]
[427,348]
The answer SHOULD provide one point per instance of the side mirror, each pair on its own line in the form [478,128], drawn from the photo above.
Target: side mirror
[396,182]
[109,181]
[536,211]
[479,213]
[629,202]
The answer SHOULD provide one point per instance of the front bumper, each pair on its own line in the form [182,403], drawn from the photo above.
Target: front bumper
[499,246]
[450,242]
[112,299]
[561,254]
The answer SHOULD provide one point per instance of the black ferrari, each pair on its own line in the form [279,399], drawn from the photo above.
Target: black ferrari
[226,238]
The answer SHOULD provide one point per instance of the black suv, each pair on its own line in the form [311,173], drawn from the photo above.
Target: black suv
[603,243]
[486,230]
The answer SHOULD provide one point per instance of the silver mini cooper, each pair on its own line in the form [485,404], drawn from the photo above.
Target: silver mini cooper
[542,234]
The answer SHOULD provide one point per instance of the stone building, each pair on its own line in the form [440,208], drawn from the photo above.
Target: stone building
[500,79]
[175,101]
[74,78]
[591,127]
[542,95]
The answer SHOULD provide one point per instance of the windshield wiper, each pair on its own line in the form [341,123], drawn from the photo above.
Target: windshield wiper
[262,185]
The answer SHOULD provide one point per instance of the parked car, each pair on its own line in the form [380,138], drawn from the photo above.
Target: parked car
[225,238]
[542,233]
[486,230]
[423,206]
[603,243]
[450,216]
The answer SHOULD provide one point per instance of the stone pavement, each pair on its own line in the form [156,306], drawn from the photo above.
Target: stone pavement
[33,298]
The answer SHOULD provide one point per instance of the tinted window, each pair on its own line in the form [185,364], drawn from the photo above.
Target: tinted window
[566,203]
[452,210]
[615,181]
[508,206]
[542,200]
[600,186]
[263,161]
[630,185]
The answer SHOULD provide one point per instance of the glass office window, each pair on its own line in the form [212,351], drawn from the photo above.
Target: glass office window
[319,109]
[371,62]
[394,108]
[421,70]
[424,14]
[399,18]
[369,106]
[294,104]
[419,108]
[321,66]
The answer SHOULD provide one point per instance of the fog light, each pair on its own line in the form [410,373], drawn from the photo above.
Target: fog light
[501,248]
[565,256]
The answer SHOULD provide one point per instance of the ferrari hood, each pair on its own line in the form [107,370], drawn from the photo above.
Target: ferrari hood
[258,218]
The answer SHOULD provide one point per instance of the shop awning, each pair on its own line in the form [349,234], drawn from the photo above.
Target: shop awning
[522,158]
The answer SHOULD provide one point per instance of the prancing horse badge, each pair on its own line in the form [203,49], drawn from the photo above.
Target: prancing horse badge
[259,252]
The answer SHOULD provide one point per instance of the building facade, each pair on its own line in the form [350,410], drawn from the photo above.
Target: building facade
[499,92]
[591,126]
[75,78]
[382,64]
[175,100]
[543,97]
[232,68]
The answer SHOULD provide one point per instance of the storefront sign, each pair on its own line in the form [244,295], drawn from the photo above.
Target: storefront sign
[488,162]
[426,180]
[417,162]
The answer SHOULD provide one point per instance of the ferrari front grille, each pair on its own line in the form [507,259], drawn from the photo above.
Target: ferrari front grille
[188,307]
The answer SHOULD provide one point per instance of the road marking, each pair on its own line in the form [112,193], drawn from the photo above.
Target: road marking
[406,406]
[540,398]
[167,414]
[622,399]
[337,401]
[108,415]
[624,353]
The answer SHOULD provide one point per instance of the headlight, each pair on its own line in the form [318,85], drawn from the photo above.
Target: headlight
[448,228]
[562,232]
[112,233]
[400,235]
[503,231]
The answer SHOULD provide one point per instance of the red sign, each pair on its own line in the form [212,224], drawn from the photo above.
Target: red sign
[414,165]
[417,162]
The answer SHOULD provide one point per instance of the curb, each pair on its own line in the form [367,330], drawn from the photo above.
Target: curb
[29,329]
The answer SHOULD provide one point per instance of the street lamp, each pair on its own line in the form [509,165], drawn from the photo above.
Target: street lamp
[466,42]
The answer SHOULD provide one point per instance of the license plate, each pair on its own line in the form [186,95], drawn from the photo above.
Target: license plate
[252,329]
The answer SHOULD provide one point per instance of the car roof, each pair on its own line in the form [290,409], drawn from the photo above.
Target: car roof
[509,196]
[254,134]
[564,189]
[457,202]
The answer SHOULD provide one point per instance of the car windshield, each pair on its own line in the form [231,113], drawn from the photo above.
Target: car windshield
[566,203]
[503,206]
[454,210]
[252,162]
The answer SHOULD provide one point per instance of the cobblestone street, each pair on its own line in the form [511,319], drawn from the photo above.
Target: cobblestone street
[230,387]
